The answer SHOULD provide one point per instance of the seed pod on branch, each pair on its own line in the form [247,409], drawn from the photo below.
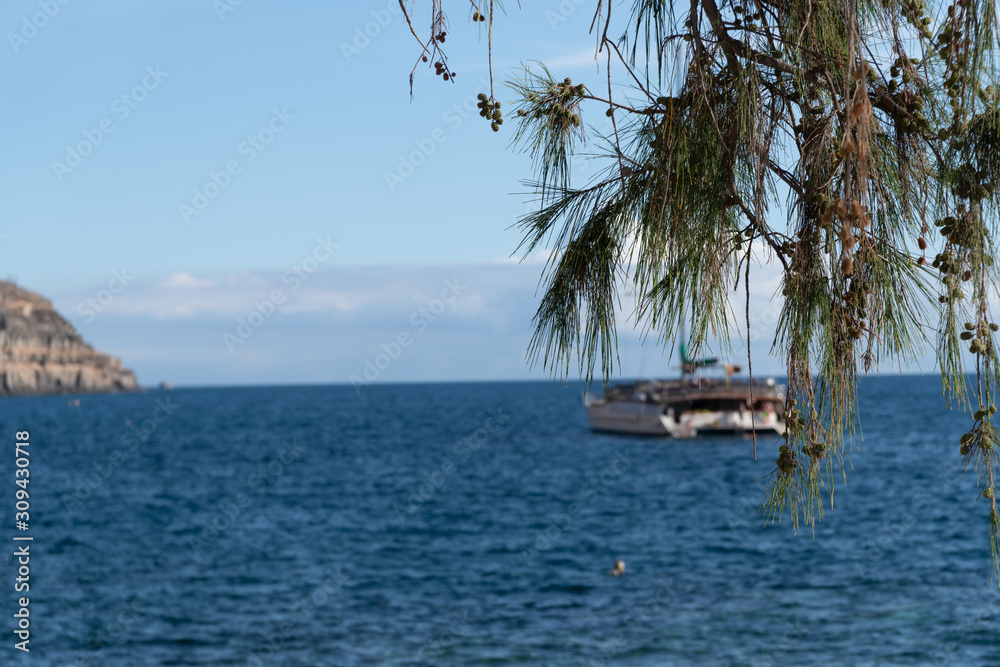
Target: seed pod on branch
[858,110]
[841,209]
[855,212]
[845,230]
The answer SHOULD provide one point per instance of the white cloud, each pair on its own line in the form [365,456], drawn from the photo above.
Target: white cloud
[577,59]
[172,327]
[370,292]
[537,257]
[183,280]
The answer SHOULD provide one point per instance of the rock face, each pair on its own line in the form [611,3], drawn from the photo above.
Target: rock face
[41,353]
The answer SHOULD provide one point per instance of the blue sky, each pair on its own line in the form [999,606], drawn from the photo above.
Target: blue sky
[204,147]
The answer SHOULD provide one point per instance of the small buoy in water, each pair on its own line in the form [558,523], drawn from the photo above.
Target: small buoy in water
[619,568]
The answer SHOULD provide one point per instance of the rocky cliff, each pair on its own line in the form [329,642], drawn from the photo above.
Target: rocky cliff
[41,353]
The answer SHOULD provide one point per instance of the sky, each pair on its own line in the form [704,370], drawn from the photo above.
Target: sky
[171,168]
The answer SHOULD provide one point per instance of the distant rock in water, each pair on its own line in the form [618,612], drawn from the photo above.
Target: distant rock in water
[42,353]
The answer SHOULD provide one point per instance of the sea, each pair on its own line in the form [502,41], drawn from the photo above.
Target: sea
[475,524]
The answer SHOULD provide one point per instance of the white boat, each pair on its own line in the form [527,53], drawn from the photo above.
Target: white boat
[689,407]
[636,408]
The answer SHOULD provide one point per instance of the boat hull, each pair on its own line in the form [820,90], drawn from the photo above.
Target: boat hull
[722,423]
[631,417]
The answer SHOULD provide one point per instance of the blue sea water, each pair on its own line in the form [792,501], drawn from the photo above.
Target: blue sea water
[474,524]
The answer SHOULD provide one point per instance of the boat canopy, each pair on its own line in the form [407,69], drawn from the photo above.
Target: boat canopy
[704,362]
